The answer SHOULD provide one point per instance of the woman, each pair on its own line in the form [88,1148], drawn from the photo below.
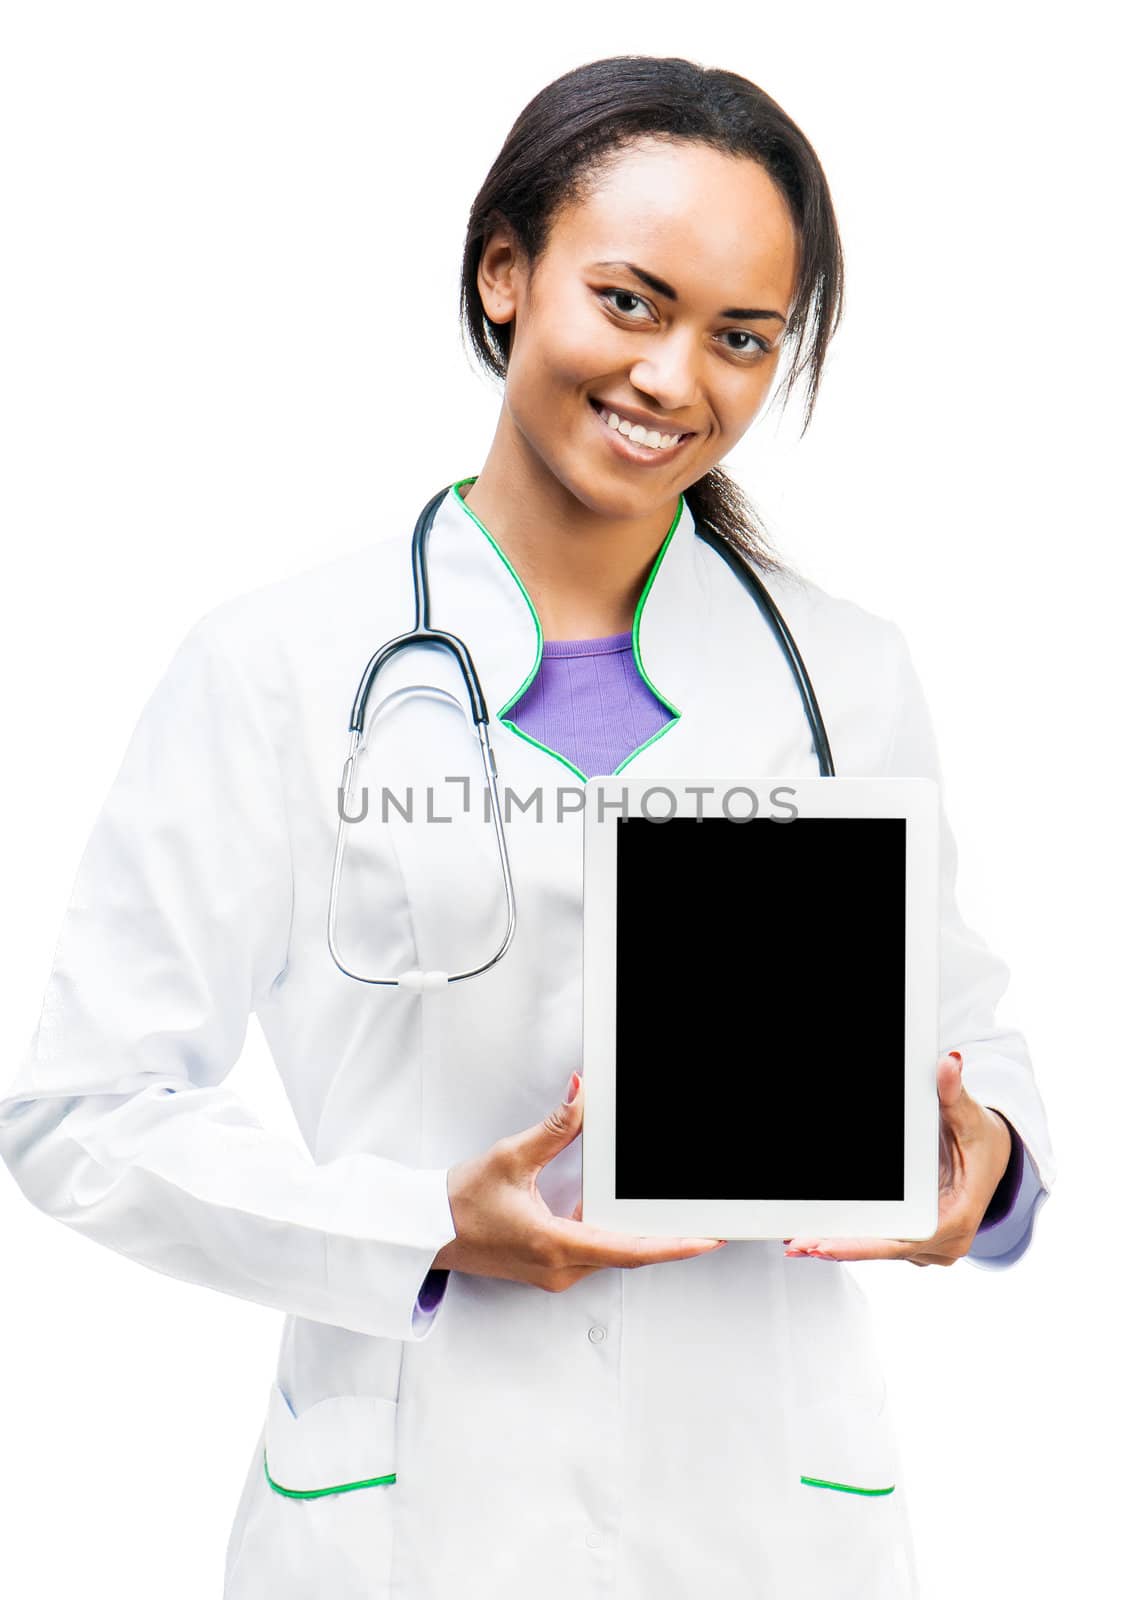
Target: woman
[473,1395]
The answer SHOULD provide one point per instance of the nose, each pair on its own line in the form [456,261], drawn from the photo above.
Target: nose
[668,374]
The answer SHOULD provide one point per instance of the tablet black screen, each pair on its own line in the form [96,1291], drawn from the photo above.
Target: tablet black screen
[760,1008]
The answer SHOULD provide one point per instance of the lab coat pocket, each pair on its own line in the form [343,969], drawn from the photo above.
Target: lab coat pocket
[846,1450]
[340,1445]
[848,1505]
[322,1521]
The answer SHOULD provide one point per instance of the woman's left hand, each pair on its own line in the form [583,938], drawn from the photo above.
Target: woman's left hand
[974,1151]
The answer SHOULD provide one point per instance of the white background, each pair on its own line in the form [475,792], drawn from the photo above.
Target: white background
[230,347]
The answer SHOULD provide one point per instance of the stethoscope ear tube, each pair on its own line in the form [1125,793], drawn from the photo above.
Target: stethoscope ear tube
[414,979]
[751,581]
[423,633]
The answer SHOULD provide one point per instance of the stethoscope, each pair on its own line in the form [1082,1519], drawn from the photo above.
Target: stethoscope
[423,633]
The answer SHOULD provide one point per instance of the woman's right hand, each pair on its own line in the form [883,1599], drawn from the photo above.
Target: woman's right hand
[505,1229]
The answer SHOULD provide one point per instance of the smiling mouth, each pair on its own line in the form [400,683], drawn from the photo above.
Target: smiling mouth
[653,440]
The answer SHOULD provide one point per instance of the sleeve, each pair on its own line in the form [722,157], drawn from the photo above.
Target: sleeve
[1004,1231]
[118,1122]
[972,979]
[430,1296]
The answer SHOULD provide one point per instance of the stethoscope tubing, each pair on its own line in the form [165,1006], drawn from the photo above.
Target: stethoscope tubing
[423,633]
[743,569]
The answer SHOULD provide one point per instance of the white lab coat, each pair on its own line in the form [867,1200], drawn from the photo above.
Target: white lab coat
[643,1434]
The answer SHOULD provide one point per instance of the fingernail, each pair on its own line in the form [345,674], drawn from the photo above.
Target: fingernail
[572,1088]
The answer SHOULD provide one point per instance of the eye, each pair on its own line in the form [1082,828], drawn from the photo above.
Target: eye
[620,294]
[756,347]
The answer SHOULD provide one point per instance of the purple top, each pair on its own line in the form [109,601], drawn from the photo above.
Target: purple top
[590,704]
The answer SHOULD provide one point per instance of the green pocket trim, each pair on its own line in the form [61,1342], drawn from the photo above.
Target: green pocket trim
[846,1488]
[313,1494]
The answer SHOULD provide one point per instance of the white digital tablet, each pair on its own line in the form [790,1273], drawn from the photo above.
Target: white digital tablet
[760,1007]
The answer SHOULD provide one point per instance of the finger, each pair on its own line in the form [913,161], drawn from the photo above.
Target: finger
[852,1249]
[959,1110]
[946,1160]
[588,1245]
[536,1146]
[949,1079]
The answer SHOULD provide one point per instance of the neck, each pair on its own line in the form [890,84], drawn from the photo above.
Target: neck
[584,570]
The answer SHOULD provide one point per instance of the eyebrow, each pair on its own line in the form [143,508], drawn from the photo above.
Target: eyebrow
[659,286]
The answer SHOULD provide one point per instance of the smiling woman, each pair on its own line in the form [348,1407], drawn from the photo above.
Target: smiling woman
[665,260]
[477,1392]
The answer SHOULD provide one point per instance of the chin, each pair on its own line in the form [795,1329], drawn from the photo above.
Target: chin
[613,493]
[612,498]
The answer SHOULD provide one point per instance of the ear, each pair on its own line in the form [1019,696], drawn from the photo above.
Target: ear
[501,272]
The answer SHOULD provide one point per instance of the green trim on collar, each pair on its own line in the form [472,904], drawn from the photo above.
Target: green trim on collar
[665,727]
[313,1494]
[547,749]
[644,596]
[847,1488]
[634,640]
[517,580]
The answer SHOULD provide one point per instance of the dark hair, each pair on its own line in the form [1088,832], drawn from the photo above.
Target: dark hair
[553,152]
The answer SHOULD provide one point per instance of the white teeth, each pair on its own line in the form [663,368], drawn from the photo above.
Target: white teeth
[635,432]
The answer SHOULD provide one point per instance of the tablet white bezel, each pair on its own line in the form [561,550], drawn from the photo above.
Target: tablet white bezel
[914,799]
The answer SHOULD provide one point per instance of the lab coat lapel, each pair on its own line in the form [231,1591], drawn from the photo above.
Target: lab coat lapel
[700,641]
[701,644]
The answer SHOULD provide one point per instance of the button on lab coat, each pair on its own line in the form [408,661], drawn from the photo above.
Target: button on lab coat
[647,1434]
